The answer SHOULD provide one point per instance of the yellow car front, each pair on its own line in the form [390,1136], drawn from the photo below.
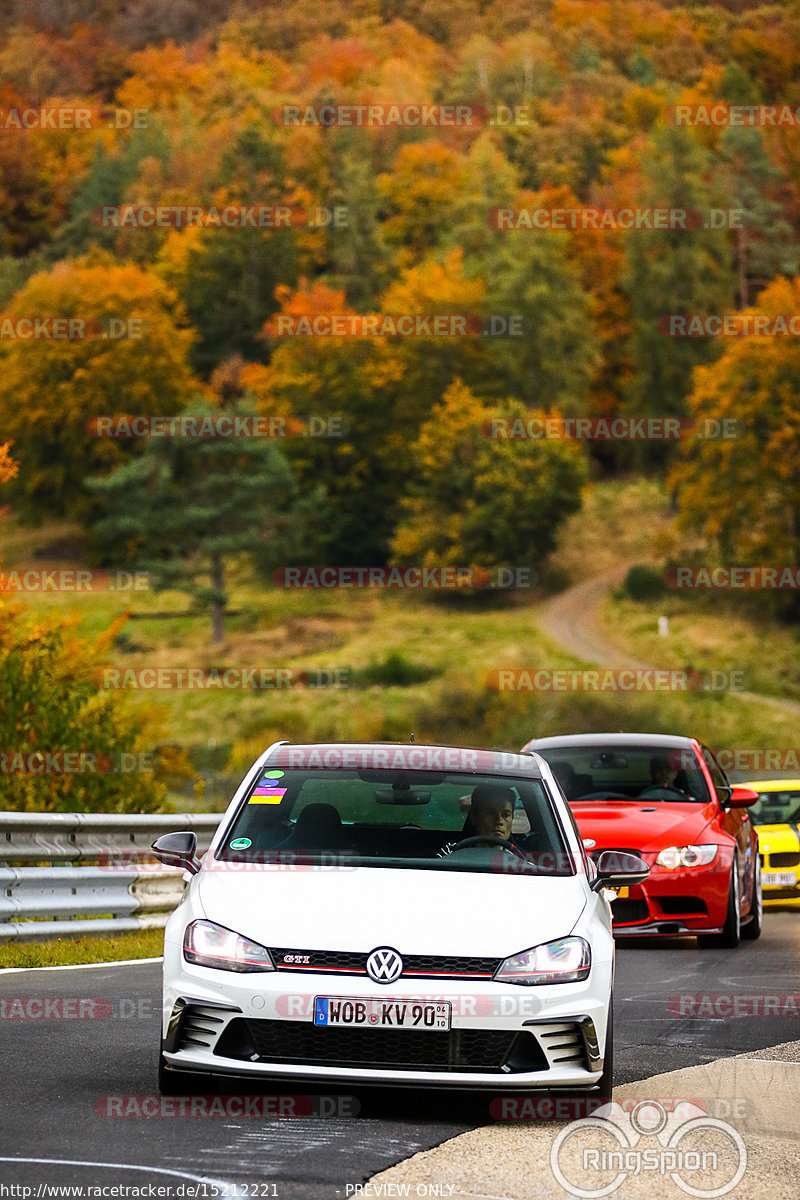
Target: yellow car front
[776,816]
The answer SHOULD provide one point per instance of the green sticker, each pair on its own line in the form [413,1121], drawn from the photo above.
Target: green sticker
[272,775]
[240,843]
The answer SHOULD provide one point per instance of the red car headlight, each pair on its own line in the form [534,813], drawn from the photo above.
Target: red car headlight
[673,857]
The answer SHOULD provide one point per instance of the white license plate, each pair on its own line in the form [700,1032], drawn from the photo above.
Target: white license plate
[778,878]
[365,1012]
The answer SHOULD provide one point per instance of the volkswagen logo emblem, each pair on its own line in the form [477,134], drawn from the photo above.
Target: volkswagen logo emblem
[384,965]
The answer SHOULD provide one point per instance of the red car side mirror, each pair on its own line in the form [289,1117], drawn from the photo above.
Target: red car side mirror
[742,797]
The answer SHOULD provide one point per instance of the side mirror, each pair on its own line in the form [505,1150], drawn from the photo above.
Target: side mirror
[615,868]
[741,797]
[177,850]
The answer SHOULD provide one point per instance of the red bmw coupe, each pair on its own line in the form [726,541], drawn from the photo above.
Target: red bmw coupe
[667,800]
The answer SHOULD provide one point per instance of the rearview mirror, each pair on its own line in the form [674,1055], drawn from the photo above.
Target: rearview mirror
[392,796]
[177,850]
[616,868]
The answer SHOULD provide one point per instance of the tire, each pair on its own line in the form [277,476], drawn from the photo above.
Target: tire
[751,930]
[732,929]
[183,1083]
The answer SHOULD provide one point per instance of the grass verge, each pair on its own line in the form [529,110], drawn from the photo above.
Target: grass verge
[63,952]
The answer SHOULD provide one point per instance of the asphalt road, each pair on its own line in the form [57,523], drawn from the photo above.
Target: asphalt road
[58,1071]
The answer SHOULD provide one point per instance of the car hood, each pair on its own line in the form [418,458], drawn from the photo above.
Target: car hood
[414,911]
[772,838]
[642,825]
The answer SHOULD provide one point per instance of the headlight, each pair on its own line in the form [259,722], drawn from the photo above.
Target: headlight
[211,945]
[564,961]
[686,856]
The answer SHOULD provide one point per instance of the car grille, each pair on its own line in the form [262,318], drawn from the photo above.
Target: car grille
[419,966]
[789,859]
[302,1043]
[625,912]
[673,906]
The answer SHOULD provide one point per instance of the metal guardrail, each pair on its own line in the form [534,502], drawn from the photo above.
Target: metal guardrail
[94,872]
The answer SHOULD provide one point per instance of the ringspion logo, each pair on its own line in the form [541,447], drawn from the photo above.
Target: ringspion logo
[703,1155]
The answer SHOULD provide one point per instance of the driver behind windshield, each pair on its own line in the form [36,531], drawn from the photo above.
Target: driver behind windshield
[491,812]
[661,773]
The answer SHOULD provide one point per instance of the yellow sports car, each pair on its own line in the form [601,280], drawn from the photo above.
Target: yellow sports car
[776,815]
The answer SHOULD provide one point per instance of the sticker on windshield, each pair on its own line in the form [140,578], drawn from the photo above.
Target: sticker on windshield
[240,843]
[267,795]
[272,775]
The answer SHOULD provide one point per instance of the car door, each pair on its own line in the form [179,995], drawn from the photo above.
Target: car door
[736,822]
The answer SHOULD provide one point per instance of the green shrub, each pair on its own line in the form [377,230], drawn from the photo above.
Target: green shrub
[644,583]
[394,671]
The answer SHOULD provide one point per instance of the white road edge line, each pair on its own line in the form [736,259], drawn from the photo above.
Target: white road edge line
[116,962]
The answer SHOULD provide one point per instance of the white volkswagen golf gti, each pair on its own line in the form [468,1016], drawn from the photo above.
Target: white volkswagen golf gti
[392,914]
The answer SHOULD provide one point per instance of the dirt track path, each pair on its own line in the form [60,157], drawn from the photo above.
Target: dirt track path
[571,619]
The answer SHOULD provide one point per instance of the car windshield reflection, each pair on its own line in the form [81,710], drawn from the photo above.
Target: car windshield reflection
[422,820]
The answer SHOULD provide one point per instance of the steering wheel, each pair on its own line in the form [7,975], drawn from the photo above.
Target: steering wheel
[603,794]
[662,792]
[487,839]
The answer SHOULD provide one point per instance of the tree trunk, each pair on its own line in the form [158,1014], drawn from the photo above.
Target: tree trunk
[741,254]
[218,611]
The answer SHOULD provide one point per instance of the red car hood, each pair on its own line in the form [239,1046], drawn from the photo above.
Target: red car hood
[642,824]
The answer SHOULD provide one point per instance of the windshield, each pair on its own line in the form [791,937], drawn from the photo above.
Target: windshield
[776,808]
[601,772]
[396,819]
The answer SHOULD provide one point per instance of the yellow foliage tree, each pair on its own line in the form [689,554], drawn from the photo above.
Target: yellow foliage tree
[741,492]
[120,347]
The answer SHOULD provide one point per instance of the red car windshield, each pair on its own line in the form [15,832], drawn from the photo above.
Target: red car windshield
[601,772]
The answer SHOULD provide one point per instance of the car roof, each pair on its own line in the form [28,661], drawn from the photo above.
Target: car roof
[411,756]
[666,740]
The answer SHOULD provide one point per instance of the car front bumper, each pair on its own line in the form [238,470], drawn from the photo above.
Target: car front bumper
[675,903]
[502,1036]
